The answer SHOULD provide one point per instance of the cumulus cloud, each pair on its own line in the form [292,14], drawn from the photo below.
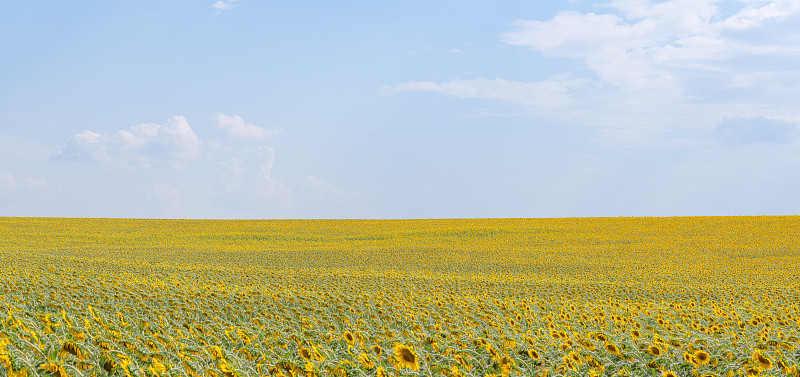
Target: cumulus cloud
[550,93]
[750,130]
[237,127]
[87,145]
[173,140]
[642,42]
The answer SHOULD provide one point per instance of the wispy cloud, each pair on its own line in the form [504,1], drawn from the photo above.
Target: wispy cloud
[749,130]
[550,93]
[645,72]
[221,6]
[237,127]
[10,184]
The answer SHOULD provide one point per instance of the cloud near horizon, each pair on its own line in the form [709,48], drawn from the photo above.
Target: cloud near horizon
[173,140]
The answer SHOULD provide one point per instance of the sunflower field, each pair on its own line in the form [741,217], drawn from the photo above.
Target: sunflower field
[677,296]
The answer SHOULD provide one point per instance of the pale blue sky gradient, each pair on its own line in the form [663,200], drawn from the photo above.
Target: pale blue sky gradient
[429,109]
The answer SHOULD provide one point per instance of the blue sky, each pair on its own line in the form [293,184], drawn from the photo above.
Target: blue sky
[430,109]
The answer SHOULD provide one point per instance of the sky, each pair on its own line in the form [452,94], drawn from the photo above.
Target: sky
[413,109]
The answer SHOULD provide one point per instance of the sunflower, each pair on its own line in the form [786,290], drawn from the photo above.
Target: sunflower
[654,350]
[533,354]
[701,357]
[317,355]
[55,369]
[406,356]
[305,353]
[612,349]
[366,361]
[669,373]
[753,371]
[762,360]
[380,372]
[493,352]
[161,368]
[109,365]
[216,352]
[378,350]
[348,336]
[70,348]
[782,366]
[124,361]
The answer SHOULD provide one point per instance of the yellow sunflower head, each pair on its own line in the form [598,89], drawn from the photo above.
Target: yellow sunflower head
[377,349]
[654,350]
[406,357]
[753,371]
[54,369]
[762,360]
[669,373]
[70,348]
[348,336]
[215,352]
[701,357]
[366,361]
[109,365]
[305,353]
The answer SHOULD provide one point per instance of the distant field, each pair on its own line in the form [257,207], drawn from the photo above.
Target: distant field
[710,296]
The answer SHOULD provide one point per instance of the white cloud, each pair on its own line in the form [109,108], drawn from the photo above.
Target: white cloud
[232,173]
[753,16]
[750,130]
[174,140]
[649,73]
[551,93]
[250,172]
[163,192]
[269,158]
[87,145]
[311,187]
[237,127]
[10,184]
[641,46]
[221,6]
